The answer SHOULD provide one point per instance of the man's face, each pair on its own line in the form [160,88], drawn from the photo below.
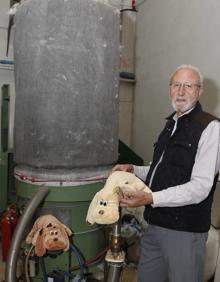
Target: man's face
[184,90]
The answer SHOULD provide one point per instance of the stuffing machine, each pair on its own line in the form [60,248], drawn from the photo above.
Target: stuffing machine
[66,117]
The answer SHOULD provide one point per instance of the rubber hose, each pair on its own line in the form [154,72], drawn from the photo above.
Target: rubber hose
[10,273]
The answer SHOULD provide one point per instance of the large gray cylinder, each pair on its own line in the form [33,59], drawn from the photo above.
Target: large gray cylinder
[66,75]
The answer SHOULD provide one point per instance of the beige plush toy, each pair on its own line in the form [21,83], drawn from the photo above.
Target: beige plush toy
[48,233]
[104,208]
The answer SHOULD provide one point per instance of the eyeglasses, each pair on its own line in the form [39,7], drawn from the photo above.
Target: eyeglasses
[188,86]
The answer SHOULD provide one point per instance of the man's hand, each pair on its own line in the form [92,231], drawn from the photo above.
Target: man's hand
[123,167]
[135,199]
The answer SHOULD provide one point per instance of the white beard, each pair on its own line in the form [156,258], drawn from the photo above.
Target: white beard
[185,106]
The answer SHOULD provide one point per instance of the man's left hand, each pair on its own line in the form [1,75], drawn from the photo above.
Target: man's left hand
[135,199]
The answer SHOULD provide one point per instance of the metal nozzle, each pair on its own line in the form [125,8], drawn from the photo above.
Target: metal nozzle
[115,241]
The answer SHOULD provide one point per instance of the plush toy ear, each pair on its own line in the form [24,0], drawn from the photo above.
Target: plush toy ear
[34,238]
[147,189]
[89,218]
[117,189]
[65,235]
[40,249]
[30,236]
[66,230]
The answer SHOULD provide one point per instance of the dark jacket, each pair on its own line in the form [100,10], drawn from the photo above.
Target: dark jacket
[179,152]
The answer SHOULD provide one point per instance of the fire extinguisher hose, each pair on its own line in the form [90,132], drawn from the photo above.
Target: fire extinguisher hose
[10,274]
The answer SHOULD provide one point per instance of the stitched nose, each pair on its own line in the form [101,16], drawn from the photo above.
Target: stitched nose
[55,239]
[101,212]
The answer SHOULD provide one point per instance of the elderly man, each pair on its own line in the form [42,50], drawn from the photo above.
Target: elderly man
[182,177]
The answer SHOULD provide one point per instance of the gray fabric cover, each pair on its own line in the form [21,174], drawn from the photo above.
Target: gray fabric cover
[66,76]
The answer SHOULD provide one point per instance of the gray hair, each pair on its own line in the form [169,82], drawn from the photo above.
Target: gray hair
[195,69]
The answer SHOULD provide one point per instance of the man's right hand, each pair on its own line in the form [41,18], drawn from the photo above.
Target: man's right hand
[123,167]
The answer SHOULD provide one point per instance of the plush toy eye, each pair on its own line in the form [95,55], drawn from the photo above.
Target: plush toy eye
[126,182]
[102,203]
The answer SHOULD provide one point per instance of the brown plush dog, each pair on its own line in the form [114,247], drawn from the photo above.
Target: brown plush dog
[104,208]
[48,233]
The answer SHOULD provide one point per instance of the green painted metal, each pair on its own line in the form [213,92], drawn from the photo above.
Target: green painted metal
[3,180]
[4,147]
[61,193]
[11,180]
[71,204]
[4,117]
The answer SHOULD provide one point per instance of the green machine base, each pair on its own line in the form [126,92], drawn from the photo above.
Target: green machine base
[69,205]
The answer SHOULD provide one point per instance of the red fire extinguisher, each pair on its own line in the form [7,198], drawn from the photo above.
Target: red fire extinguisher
[8,224]
[133,5]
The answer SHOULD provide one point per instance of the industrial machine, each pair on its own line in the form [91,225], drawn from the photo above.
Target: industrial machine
[66,116]
[66,127]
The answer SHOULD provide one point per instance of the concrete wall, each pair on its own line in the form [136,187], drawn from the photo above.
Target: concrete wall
[170,33]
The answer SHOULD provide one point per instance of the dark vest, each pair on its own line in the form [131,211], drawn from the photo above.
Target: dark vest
[179,151]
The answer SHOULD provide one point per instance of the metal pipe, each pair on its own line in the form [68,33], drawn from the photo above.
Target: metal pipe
[114,272]
[10,273]
[6,67]
[115,256]
[115,242]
